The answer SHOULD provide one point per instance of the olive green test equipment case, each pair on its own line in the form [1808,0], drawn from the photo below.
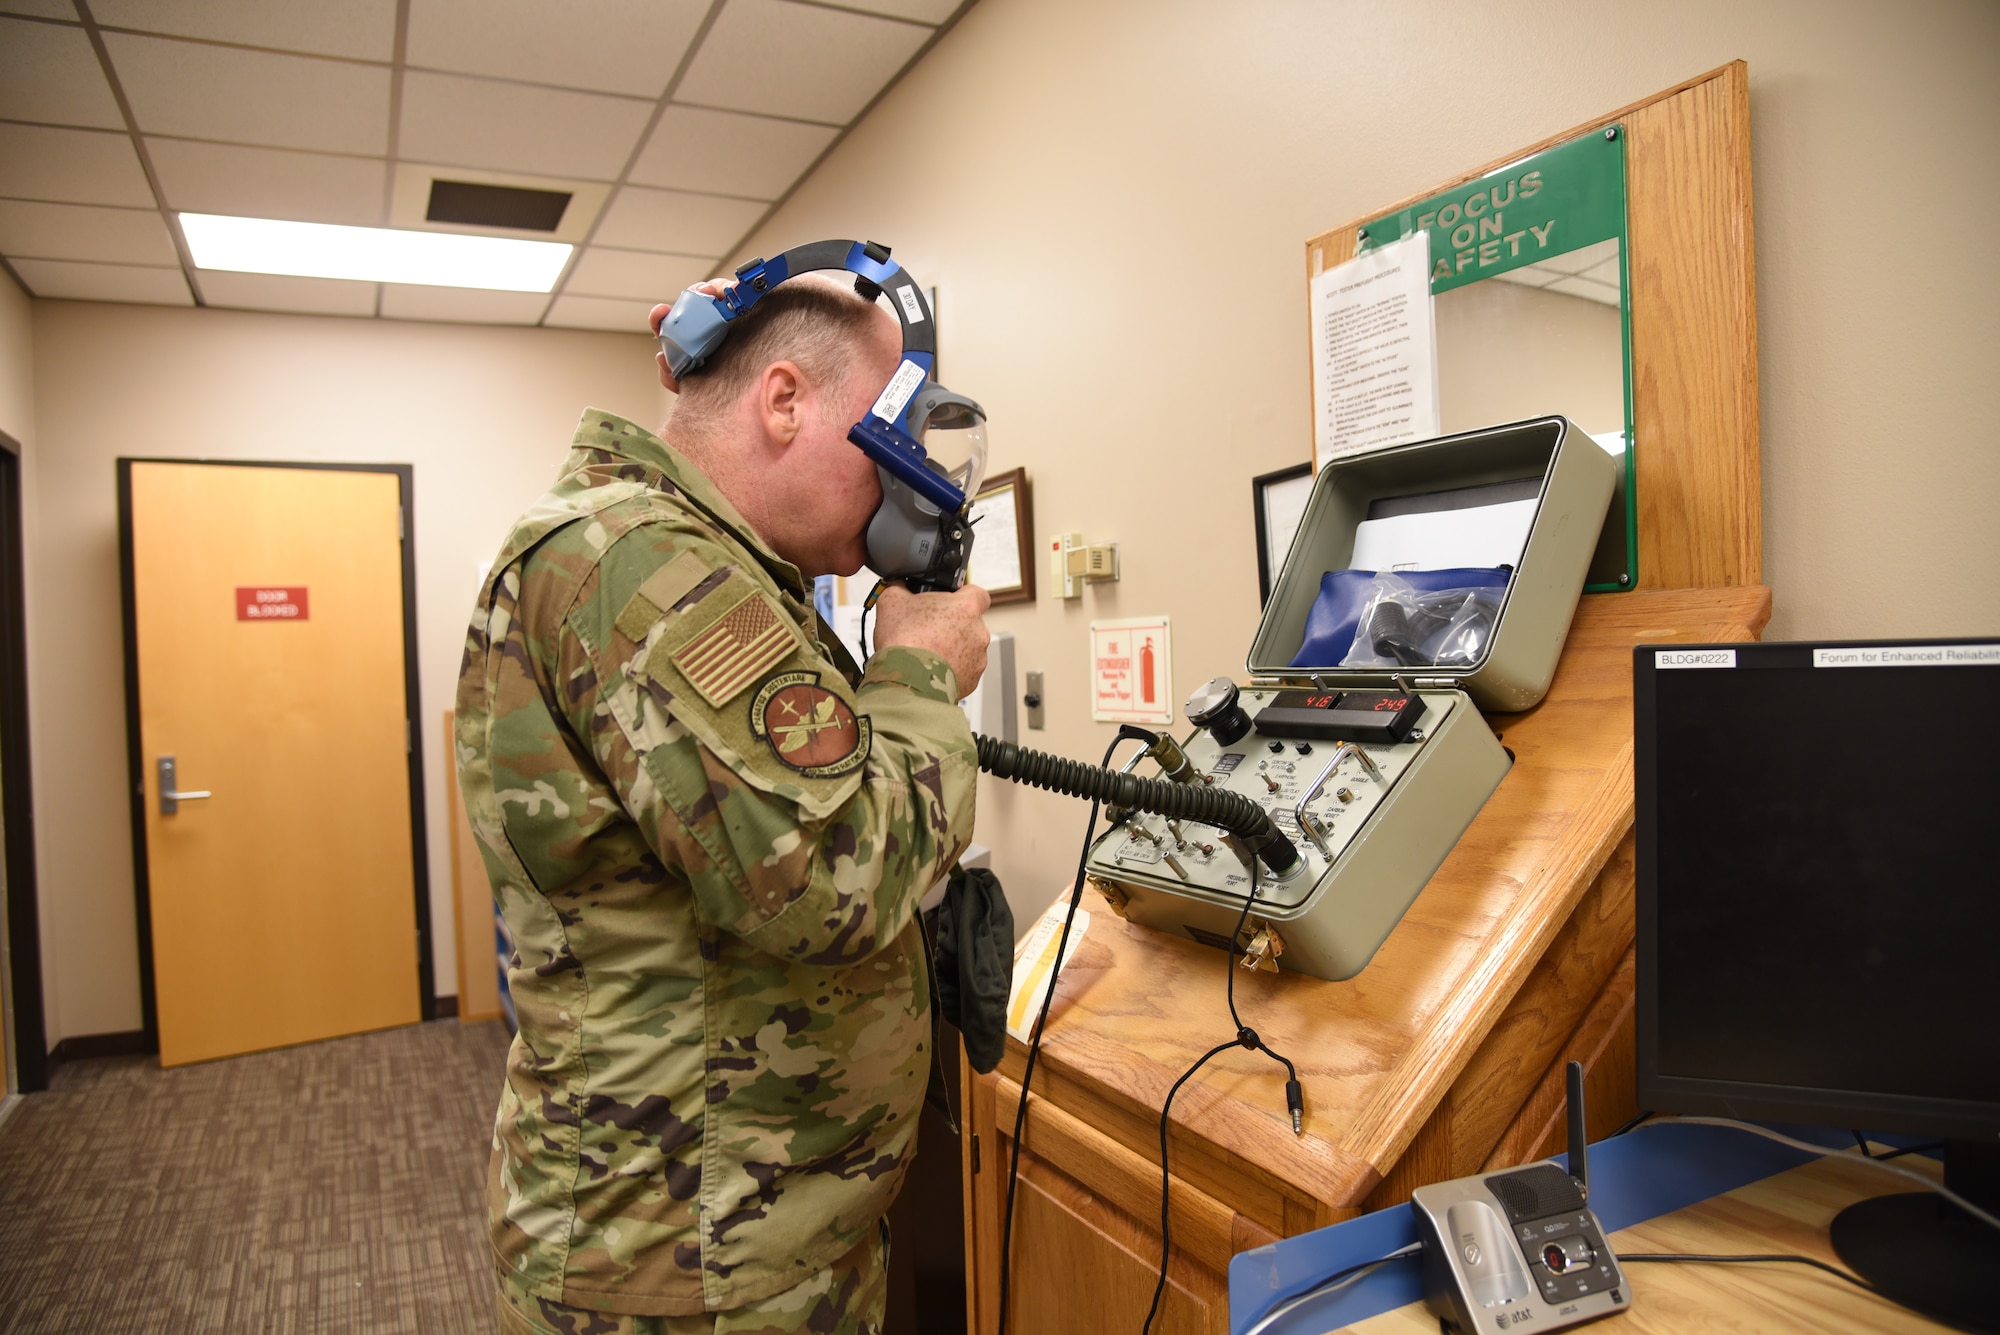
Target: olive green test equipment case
[1385,818]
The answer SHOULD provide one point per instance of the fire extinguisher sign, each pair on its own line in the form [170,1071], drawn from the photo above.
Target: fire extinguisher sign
[1131,671]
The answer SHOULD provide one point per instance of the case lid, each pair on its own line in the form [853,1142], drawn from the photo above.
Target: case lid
[1566,475]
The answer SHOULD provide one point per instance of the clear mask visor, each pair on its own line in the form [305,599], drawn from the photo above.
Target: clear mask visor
[954,436]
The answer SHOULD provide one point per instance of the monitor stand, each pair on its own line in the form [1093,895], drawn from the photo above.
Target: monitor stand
[1925,1252]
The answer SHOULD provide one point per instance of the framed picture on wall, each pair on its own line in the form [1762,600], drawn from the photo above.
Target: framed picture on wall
[1003,544]
[1280,501]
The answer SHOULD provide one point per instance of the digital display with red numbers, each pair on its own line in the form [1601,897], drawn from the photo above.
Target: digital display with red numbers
[1380,702]
[1356,716]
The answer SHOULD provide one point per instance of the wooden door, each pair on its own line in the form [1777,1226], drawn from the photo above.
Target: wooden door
[266,649]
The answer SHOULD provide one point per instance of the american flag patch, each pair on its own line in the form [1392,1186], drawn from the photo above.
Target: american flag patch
[724,659]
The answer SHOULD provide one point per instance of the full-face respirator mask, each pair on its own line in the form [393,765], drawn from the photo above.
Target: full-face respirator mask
[928,443]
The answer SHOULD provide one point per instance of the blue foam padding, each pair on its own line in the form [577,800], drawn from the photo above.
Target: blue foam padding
[1649,1172]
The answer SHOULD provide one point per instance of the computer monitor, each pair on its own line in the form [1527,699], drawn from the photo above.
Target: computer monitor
[1819,916]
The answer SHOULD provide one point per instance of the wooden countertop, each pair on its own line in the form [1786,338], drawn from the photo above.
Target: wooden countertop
[1377,1052]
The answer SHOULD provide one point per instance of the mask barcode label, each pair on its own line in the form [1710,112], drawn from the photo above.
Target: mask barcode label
[897,393]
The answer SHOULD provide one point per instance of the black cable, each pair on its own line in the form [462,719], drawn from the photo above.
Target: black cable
[1166,1231]
[1923,1147]
[1633,1124]
[1125,733]
[1246,1037]
[1836,1271]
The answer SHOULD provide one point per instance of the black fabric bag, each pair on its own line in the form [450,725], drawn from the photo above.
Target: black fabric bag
[975,962]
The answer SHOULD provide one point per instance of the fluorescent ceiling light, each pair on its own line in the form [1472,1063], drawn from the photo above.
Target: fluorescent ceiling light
[373,254]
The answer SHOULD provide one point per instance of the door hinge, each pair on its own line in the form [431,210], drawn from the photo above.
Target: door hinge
[975,1152]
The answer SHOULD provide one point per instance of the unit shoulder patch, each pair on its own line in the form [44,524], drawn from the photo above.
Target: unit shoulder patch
[808,727]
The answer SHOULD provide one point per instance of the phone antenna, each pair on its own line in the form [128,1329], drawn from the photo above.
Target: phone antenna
[1579,1152]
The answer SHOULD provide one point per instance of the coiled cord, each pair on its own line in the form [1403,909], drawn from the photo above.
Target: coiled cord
[1177,801]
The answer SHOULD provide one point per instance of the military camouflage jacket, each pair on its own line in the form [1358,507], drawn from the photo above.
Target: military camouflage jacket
[710,847]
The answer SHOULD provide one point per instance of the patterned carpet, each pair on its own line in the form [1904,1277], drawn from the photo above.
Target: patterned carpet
[331,1188]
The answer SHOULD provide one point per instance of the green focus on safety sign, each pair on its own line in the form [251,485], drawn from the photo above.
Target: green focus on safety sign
[1559,200]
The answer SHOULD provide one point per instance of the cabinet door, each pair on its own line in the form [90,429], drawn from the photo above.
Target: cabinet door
[1080,1264]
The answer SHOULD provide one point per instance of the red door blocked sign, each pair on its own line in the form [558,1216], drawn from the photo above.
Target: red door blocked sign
[269,604]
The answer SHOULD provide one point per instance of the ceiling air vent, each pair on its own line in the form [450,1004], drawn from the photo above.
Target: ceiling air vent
[464,202]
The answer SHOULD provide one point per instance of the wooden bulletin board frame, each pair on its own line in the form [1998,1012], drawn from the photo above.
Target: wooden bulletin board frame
[1692,276]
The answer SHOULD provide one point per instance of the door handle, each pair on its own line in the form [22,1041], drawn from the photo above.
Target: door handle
[171,797]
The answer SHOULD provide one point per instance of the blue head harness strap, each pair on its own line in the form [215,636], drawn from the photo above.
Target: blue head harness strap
[698,323]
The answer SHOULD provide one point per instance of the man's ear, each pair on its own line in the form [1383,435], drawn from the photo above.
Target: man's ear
[781,402]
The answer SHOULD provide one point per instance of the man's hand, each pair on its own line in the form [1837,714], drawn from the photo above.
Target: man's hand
[947,624]
[712,287]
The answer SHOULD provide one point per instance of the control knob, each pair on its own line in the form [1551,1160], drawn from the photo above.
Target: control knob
[1213,706]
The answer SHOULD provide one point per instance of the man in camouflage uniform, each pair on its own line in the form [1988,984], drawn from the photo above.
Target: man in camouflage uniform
[709,832]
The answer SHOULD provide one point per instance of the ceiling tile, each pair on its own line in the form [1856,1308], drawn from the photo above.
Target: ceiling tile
[461,305]
[667,220]
[1582,258]
[363,29]
[797,60]
[85,232]
[269,182]
[1583,287]
[270,292]
[728,153]
[1528,276]
[511,127]
[252,97]
[924,11]
[75,166]
[1604,271]
[67,279]
[625,317]
[49,73]
[612,46]
[602,272]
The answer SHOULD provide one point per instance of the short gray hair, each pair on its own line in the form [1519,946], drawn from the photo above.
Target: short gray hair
[810,321]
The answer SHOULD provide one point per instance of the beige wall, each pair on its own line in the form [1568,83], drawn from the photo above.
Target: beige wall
[17,362]
[485,416]
[1113,198]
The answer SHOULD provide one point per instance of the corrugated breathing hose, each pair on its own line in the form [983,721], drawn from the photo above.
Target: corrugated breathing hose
[1177,801]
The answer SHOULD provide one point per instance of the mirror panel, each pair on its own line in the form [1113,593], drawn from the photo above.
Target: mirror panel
[1530,295]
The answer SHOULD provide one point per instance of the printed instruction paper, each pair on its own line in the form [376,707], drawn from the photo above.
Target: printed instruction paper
[1035,965]
[1375,350]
